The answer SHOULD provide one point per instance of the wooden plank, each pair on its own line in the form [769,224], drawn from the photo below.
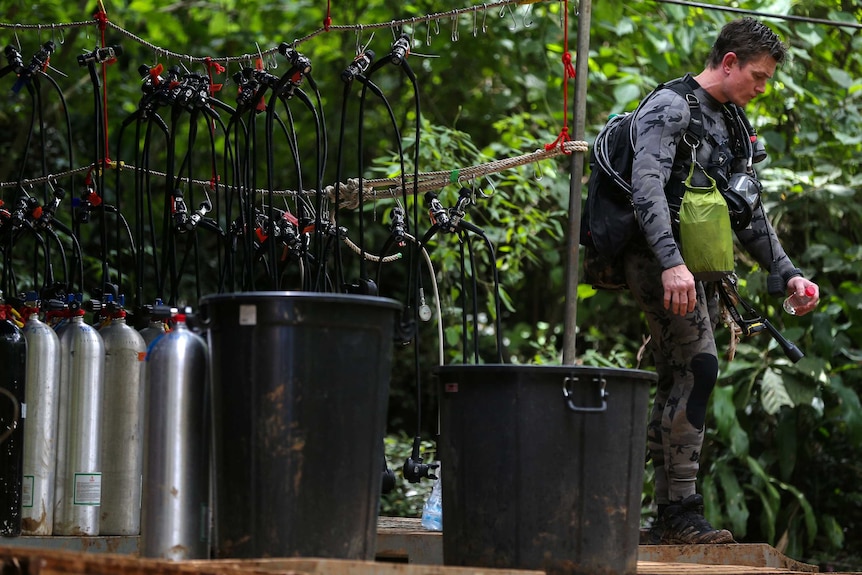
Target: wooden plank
[749,554]
[658,568]
[312,566]
[59,562]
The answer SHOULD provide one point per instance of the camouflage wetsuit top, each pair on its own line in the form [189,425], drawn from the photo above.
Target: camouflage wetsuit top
[683,346]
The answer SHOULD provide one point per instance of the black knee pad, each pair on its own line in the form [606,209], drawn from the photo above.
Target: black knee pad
[704,368]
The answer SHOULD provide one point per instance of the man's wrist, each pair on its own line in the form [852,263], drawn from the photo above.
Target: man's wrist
[791,273]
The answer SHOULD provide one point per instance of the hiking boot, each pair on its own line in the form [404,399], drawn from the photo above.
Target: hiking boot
[684,524]
[655,533]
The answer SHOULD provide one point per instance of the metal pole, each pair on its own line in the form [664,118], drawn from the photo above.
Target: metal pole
[577,172]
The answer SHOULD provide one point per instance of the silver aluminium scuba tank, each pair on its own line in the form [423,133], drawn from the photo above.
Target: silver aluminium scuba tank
[13,357]
[40,435]
[155,325]
[154,330]
[122,414]
[175,510]
[78,485]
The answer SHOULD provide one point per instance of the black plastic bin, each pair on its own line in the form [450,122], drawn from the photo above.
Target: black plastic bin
[543,466]
[300,391]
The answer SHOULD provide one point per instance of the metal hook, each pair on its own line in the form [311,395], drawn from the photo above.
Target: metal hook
[475,21]
[359,39]
[367,44]
[17,40]
[472,187]
[493,188]
[484,18]
[427,31]
[528,11]
[538,174]
[455,31]
[260,54]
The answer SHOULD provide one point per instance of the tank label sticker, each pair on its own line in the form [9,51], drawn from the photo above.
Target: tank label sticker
[248,315]
[27,485]
[88,489]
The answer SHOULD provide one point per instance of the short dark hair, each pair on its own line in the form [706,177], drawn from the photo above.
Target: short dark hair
[748,39]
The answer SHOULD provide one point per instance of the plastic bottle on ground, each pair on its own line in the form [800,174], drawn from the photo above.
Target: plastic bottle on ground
[432,511]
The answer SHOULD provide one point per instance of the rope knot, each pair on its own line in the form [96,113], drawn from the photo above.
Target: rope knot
[219,69]
[102,18]
[213,65]
[560,141]
[567,64]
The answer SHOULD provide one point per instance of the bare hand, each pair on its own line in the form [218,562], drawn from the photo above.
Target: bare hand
[679,293]
[797,284]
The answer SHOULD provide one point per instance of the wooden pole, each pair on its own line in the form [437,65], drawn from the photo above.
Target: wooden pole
[577,172]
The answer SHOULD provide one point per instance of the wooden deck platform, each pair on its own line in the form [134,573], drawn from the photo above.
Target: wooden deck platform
[405,538]
[403,548]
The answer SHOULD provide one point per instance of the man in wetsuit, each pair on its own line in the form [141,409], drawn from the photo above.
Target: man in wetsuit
[681,310]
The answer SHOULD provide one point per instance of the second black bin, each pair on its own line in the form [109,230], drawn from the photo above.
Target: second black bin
[543,466]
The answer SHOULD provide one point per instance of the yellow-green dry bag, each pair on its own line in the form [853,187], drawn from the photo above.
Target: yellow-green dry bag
[705,232]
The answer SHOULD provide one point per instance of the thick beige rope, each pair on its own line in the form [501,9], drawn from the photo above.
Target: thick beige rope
[348,193]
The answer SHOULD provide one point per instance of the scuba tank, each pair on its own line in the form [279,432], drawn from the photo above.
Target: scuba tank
[121,446]
[174,506]
[154,330]
[40,435]
[13,410]
[78,485]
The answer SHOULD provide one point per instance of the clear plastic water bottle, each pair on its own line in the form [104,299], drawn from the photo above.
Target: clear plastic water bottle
[798,299]
[432,511]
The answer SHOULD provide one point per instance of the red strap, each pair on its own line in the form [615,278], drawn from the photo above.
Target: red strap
[155,72]
[102,18]
[568,72]
[327,21]
[94,198]
[219,69]
[27,311]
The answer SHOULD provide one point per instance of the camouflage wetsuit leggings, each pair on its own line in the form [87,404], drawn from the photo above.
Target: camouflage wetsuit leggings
[687,367]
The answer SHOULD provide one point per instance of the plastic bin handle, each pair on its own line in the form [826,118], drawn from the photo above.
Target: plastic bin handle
[568,383]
